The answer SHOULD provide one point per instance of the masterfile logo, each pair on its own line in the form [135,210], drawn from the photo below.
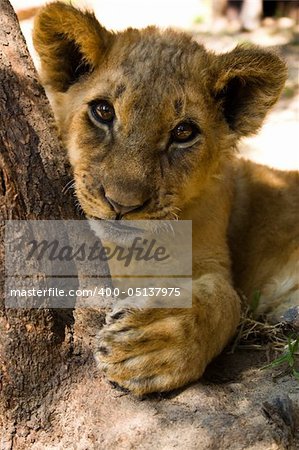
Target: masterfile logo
[92,263]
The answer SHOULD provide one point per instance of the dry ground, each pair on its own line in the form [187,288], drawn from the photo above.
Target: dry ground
[236,406]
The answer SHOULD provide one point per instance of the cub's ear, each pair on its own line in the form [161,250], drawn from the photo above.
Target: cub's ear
[247,82]
[69,42]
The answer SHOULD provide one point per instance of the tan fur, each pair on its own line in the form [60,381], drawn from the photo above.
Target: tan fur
[244,215]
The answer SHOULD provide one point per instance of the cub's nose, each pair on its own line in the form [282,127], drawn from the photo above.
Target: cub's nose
[122,209]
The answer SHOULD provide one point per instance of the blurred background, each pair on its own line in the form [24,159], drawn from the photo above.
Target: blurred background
[219,25]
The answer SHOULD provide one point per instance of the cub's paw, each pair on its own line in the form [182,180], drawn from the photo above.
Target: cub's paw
[152,350]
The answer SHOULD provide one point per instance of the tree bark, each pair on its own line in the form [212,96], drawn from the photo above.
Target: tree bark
[34,344]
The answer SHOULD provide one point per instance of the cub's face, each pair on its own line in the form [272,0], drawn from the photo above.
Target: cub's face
[138,131]
[148,118]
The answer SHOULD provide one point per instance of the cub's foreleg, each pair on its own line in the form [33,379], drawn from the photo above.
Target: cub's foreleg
[153,350]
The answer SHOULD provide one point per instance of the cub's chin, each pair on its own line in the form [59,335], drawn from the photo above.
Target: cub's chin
[120,232]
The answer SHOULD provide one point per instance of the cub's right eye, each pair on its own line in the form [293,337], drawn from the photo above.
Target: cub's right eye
[102,111]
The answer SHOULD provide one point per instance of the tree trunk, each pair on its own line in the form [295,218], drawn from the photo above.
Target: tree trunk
[34,344]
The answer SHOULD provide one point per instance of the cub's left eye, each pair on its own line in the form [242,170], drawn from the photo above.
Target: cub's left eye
[184,132]
[102,111]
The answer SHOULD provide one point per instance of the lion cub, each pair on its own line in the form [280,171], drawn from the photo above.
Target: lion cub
[151,121]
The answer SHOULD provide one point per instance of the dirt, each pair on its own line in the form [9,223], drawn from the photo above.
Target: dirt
[236,406]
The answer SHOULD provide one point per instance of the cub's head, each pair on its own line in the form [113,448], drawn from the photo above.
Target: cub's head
[148,117]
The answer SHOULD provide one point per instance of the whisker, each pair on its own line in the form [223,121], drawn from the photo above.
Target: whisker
[79,207]
[176,209]
[69,185]
[175,216]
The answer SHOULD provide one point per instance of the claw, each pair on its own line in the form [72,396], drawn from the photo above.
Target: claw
[103,350]
[117,386]
[115,315]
